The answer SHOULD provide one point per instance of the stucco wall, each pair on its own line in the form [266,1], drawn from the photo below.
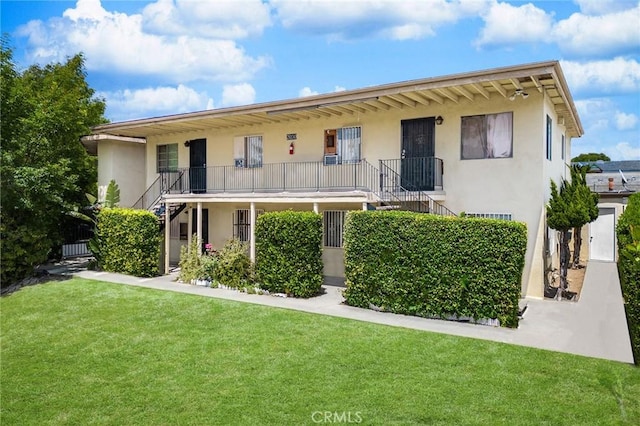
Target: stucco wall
[125,163]
[517,185]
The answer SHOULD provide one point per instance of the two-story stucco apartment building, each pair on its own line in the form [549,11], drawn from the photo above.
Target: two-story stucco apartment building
[485,143]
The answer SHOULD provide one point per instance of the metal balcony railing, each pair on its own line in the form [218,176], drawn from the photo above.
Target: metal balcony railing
[397,183]
[277,177]
[414,174]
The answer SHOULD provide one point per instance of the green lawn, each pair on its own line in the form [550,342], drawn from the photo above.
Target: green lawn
[88,352]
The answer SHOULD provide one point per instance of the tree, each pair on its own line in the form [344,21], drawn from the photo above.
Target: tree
[588,201]
[590,157]
[45,171]
[568,209]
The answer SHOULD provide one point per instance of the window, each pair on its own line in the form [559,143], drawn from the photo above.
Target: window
[333,227]
[564,147]
[167,157]
[345,143]
[549,138]
[502,216]
[242,224]
[487,136]
[184,231]
[247,151]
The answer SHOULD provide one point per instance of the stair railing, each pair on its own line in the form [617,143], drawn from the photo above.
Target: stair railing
[391,187]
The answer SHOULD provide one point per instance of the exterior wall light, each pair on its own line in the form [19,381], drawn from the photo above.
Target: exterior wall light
[439,120]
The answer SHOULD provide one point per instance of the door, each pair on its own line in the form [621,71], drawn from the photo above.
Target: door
[330,142]
[417,166]
[602,240]
[205,226]
[198,165]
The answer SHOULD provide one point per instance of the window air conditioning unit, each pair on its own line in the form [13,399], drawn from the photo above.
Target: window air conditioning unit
[330,160]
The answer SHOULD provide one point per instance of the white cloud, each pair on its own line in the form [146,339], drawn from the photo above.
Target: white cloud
[625,121]
[238,94]
[116,42]
[149,102]
[220,19]
[365,18]
[612,33]
[506,24]
[306,91]
[618,75]
[600,7]
[626,151]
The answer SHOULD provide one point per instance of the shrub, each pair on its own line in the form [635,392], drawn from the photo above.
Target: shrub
[233,267]
[628,233]
[426,265]
[189,263]
[208,265]
[289,252]
[130,241]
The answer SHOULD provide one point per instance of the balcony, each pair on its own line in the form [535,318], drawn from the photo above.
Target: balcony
[419,174]
[272,178]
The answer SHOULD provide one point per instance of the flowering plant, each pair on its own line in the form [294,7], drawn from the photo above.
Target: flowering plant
[208,248]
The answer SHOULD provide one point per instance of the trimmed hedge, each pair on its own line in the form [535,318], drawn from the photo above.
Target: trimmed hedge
[289,253]
[629,268]
[432,266]
[130,241]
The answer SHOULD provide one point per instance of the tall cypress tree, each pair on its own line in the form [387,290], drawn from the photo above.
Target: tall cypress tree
[570,207]
[589,202]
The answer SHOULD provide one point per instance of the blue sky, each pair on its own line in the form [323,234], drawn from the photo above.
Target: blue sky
[151,58]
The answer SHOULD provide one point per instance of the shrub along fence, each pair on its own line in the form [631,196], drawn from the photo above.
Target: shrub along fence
[289,253]
[433,266]
[628,233]
[129,241]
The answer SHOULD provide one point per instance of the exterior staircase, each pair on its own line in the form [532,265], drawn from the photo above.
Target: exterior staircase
[151,198]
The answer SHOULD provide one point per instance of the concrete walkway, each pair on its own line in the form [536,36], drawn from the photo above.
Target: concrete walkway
[595,326]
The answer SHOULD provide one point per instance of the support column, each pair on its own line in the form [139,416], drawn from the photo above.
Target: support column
[167,237]
[252,231]
[364,206]
[199,228]
[189,227]
[316,208]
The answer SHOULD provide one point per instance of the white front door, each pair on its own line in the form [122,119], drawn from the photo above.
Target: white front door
[602,237]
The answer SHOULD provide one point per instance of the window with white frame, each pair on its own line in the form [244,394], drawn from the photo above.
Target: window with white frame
[167,158]
[564,147]
[333,224]
[501,216]
[242,224]
[487,136]
[247,151]
[348,144]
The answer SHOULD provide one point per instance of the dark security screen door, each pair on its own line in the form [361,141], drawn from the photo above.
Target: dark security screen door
[417,167]
[198,165]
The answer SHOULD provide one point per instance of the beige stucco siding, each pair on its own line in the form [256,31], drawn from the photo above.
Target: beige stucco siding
[517,185]
[125,163]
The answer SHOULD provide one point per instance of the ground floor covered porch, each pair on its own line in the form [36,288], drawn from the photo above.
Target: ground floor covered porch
[216,218]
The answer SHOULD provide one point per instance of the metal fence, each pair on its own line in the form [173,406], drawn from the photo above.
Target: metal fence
[76,238]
